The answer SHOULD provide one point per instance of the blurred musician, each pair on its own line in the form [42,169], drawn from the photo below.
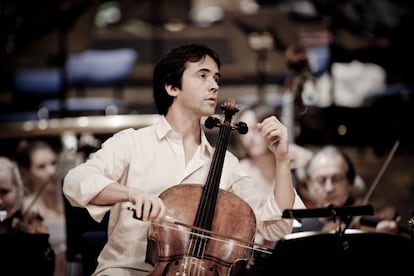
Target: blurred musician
[23,236]
[13,219]
[332,181]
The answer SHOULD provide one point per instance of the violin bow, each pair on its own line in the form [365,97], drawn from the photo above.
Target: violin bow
[220,237]
[381,172]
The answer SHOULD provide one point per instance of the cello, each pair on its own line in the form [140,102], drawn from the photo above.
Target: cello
[208,209]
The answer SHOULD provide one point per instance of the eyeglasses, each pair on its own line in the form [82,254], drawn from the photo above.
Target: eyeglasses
[335,179]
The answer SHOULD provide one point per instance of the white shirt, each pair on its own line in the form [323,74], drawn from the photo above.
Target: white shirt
[152,159]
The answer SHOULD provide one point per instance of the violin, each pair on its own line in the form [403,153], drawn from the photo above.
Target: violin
[30,222]
[205,210]
[22,222]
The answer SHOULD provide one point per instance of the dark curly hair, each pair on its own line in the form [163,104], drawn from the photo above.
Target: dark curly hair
[169,71]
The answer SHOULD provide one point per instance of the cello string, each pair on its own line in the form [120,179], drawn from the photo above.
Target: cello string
[215,239]
[223,239]
[205,212]
[195,263]
[198,243]
[214,178]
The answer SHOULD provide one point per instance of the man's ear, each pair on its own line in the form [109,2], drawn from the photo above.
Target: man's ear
[171,90]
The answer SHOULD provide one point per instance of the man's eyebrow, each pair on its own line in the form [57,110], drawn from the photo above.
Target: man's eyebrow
[209,71]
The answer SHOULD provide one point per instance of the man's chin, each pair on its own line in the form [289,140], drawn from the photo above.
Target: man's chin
[208,112]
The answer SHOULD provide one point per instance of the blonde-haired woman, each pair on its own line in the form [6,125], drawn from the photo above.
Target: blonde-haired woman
[38,162]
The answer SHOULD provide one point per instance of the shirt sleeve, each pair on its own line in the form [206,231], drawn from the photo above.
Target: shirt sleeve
[269,221]
[83,182]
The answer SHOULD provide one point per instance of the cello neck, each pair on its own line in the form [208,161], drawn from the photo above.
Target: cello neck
[205,212]
[207,205]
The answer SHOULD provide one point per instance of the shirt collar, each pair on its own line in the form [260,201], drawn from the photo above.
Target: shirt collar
[163,129]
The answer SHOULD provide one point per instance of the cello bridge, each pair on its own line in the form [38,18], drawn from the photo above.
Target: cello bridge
[191,266]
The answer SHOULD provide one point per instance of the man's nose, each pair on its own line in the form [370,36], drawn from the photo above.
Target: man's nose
[214,85]
[328,184]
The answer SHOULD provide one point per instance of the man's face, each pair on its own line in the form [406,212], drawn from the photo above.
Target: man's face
[328,183]
[199,89]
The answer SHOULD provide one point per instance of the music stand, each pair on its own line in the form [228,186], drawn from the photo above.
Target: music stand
[344,252]
[331,254]
[343,214]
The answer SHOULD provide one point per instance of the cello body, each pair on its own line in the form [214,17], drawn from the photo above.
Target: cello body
[233,217]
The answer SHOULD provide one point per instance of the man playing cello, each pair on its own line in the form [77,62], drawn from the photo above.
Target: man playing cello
[134,167]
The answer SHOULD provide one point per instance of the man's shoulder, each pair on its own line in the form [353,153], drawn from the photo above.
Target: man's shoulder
[135,131]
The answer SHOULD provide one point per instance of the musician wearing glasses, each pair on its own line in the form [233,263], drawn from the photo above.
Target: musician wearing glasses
[333,182]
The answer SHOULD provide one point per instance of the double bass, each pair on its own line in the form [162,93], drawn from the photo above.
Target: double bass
[208,210]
